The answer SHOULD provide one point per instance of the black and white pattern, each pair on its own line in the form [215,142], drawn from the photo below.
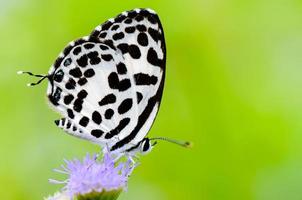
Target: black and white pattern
[108,85]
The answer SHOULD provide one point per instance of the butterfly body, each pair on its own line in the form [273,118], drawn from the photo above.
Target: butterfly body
[108,85]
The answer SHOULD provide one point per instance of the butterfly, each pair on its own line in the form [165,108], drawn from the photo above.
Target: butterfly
[108,85]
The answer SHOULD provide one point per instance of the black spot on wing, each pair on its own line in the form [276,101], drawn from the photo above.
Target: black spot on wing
[70,113]
[115,83]
[107,25]
[78,105]
[109,43]
[67,62]
[139,97]
[142,39]
[128,21]
[84,121]
[82,94]
[153,59]
[103,47]
[68,99]
[88,46]
[121,68]
[83,61]
[109,113]
[76,72]
[144,12]
[59,75]
[115,27]
[145,79]
[54,99]
[108,99]
[103,34]
[141,27]
[122,124]
[94,58]
[134,51]
[82,81]
[118,36]
[119,19]
[125,106]
[132,14]
[113,80]
[139,18]
[70,85]
[97,133]
[68,125]
[152,19]
[96,117]
[130,29]
[89,73]
[123,47]
[124,84]
[77,50]
[154,34]
[107,57]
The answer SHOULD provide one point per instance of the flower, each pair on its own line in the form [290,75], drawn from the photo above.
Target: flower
[93,178]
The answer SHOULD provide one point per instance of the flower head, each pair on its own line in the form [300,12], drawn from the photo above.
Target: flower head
[91,177]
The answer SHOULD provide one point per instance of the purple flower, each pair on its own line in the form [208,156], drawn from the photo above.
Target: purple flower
[92,176]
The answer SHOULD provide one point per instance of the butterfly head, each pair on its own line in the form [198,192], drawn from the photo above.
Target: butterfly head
[146,146]
[53,91]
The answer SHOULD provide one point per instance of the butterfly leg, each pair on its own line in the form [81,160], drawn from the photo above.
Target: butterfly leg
[118,157]
[131,157]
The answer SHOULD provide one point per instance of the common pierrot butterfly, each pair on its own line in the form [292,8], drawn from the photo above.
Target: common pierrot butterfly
[108,85]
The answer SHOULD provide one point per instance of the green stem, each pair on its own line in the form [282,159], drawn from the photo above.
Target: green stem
[104,195]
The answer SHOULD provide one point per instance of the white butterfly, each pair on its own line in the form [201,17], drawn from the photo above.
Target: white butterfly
[108,85]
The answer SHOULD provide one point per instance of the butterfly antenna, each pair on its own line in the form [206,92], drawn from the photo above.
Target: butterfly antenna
[35,75]
[185,144]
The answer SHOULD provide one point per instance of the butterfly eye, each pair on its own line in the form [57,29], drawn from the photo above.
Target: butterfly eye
[145,147]
[58,77]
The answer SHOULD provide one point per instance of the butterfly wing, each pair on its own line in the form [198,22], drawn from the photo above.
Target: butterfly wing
[86,88]
[109,85]
[139,36]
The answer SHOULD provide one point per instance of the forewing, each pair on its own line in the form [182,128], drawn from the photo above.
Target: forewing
[139,37]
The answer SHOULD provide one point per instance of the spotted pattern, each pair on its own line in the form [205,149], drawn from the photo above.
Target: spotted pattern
[82,61]
[115,83]
[108,99]
[125,106]
[109,82]
[145,79]
[58,77]
[97,133]
[68,99]
[84,121]
[71,84]
[109,113]
[96,117]
[89,73]
[76,72]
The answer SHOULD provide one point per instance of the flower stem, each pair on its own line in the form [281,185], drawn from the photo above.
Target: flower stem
[104,195]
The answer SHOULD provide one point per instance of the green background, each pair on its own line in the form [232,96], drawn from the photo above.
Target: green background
[233,87]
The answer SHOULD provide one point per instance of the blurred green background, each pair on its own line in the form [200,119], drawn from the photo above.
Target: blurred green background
[233,87]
